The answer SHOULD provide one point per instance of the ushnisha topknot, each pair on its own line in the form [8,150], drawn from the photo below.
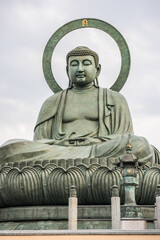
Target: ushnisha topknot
[83,51]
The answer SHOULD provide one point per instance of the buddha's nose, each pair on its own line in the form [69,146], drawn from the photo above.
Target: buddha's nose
[80,67]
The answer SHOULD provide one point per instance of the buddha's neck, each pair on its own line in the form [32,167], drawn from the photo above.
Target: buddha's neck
[83,88]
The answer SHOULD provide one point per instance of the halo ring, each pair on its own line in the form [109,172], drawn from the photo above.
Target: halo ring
[86,23]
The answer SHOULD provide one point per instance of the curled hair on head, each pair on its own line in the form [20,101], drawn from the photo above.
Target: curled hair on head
[83,51]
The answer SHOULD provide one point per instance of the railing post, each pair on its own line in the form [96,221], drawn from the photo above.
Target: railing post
[72,209]
[157,208]
[115,208]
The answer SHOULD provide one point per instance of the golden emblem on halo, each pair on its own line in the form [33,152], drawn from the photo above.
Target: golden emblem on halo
[84,23]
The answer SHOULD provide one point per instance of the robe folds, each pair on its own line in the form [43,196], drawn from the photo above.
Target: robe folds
[114,131]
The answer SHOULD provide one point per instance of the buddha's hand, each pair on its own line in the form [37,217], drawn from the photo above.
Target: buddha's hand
[78,142]
[91,141]
[47,141]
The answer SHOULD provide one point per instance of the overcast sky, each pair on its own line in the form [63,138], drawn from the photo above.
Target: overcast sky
[27,25]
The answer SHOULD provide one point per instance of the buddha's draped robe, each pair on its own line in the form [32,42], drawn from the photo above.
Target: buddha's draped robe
[114,131]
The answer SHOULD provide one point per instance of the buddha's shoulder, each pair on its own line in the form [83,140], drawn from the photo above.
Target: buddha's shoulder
[116,96]
[53,98]
[49,107]
[51,102]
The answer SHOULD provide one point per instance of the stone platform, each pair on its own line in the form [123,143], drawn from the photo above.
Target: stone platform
[56,217]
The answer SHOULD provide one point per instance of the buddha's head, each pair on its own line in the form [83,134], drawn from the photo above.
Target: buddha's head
[83,67]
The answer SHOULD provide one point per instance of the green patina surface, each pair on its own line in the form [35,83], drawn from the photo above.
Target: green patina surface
[81,138]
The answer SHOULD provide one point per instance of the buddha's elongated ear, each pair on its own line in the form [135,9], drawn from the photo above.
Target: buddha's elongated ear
[70,85]
[67,71]
[98,70]
[95,82]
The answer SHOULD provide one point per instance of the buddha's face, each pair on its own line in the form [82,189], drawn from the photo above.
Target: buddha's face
[82,70]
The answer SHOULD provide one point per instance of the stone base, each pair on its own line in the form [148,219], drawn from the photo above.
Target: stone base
[133,224]
[56,217]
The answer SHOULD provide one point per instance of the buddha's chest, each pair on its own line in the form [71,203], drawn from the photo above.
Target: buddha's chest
[81,106]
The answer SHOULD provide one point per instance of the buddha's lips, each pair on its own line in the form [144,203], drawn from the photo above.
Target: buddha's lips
[80,75]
